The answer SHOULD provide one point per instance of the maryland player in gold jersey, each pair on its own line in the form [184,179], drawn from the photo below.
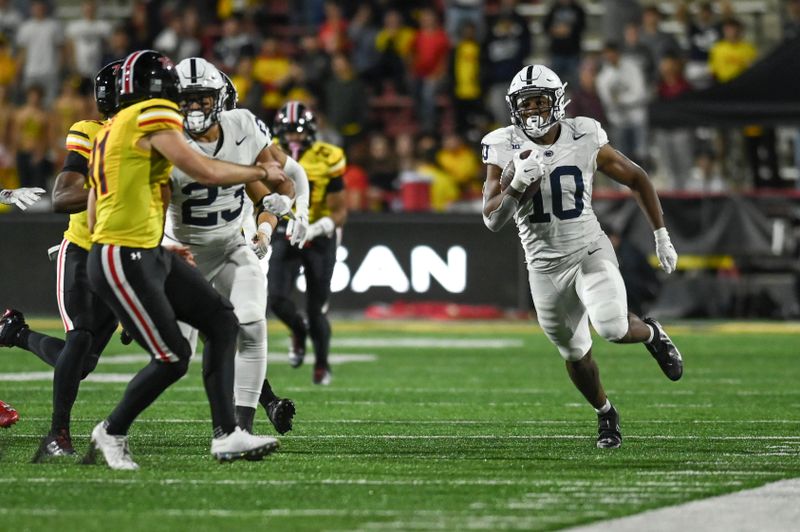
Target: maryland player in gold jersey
[295,127]
[88,322]
[150,287]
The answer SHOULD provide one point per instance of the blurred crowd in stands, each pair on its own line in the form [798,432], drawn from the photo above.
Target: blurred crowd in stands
[407,87]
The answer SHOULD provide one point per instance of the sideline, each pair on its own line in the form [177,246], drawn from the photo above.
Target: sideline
[774,506]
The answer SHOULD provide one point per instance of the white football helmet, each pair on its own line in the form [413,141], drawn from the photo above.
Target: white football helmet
[199,78]
[531,81]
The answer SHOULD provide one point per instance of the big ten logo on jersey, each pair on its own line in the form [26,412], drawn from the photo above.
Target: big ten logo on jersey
[380,268]
[210,206]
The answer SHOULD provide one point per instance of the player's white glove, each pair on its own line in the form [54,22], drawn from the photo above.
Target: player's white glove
[665,251]
[527,171]
[260,243]
[278,204]
[298,229]
[21,197]
[323,226]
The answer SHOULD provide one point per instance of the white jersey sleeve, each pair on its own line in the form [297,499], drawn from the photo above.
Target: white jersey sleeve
[499,146]
[213,217]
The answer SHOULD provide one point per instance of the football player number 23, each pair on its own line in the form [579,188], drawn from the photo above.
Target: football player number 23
[205,197]
[567,172]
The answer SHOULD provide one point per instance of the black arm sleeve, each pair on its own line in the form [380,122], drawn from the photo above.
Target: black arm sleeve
[76,163]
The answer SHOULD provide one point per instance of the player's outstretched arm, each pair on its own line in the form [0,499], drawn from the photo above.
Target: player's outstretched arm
[622,170]
[69,194]
[206,171]
[618,167]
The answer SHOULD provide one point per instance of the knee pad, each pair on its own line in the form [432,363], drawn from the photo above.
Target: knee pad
[253,339]
[179,368]
[89,364]
[79,341]
[613,329]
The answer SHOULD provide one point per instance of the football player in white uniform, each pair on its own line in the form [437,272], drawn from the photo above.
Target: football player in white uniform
[210,220]
[572,269]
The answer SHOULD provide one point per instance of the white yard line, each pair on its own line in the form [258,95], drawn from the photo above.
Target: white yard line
[775,506]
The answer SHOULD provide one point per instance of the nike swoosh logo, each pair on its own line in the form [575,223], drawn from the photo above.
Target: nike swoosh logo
[594,251]
[241,140]
[578,137]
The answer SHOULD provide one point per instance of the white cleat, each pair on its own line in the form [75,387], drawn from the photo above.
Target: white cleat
[114,449]
[241,444]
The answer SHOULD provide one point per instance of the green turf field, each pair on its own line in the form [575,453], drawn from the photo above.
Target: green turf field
[434,426]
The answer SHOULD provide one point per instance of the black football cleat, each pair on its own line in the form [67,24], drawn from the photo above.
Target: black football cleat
[54,445]
[280,413]
[608,434]
[11,323]
[664,351]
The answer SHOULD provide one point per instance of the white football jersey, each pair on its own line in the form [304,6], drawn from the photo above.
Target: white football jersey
[559,221]
[212,217]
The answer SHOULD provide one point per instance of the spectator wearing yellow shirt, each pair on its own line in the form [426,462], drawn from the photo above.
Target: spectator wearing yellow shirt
[465,72]
[393,43]
[8,65]
[732,55]
[242,80]
[271,69]
[444,189]
[728,59]
[460,162]
[29,139]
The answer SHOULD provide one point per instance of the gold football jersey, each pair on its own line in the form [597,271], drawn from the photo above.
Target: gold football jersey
[127,179]
[79,140]
[325,165]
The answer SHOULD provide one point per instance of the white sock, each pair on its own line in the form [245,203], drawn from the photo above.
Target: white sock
[652,333]
[605,408]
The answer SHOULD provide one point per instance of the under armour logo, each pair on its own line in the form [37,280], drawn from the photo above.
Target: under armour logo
[136,255]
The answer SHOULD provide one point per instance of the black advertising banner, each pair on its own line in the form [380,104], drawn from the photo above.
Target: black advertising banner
[386,258]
